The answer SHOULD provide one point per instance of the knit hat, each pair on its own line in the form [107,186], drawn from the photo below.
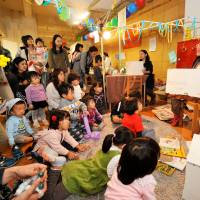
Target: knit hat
[11,103]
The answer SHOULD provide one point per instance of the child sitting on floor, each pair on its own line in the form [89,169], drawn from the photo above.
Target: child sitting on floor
[117,110]
[97,93]
[133,120]
[86,177]
[68,103]
[36,98]
[17,126]
[74,80]
[133,178]
[94,117]
[49,141]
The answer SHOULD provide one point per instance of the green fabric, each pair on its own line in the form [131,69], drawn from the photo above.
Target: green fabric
[85,177]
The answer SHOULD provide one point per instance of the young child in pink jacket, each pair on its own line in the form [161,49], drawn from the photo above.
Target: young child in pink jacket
[132,179]
[49,141]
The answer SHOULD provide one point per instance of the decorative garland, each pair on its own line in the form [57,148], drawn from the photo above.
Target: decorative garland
[62,9]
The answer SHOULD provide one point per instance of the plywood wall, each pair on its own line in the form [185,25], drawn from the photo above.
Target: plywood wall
[158,10]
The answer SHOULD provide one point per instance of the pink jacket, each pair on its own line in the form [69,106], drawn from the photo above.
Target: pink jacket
[53,138]
[140,189]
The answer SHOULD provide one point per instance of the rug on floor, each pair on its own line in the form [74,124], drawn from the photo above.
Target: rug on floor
[168,187]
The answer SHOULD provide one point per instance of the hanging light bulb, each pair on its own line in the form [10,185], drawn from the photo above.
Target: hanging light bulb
[106,35]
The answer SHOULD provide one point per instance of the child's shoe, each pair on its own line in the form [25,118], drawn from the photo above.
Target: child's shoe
[17,153]
[7,162]
[45,122]
[36,124]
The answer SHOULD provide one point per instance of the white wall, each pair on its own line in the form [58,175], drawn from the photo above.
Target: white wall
[192,9]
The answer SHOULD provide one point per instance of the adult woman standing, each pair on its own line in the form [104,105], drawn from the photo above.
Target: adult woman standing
[76,54]
[27,51]
[18,77]
[58,56]
[85,62]
[148,70]
[53,97]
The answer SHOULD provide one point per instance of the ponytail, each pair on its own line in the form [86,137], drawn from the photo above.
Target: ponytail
[107,143]
[121,136]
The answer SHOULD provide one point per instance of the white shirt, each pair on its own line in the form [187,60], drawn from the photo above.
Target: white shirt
[77,92]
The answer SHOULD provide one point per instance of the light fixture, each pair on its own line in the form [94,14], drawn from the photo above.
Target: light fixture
[106,35]
[84,15]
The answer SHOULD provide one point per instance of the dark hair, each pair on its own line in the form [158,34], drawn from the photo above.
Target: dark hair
[54,44]
[78,46]
[65,88]
[98,58]
[25,38]
[121,136]
[15,62]
[39,40]
[196,62]
[130,106]
[92,49]
[56,116]
[87,99]
[99,84]
[106,54]
[73,77]
[147,55]
[32,74]
[138,158]
[54,77]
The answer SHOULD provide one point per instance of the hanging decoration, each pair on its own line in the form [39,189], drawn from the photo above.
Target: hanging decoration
[132,8]
[39,2]
[140,3]
[46,2]
[62,9]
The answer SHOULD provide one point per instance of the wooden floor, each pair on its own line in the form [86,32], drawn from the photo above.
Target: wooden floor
[5,150]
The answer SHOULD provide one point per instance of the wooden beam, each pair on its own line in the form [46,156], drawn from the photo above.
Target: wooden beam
[27,5]
[94,2]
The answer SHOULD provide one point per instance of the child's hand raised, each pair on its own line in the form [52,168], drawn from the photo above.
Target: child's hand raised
[83,147]
[72,156]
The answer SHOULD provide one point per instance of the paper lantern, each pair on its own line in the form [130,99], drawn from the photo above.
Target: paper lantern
[132,8]
[114,22]
[85,37]
[39,2]
[128,14]
[91,35]
[140,3]
[46,2]
[59,6]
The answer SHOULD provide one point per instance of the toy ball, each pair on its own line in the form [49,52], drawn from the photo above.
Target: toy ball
[132,8]
[91,35]
[140,3]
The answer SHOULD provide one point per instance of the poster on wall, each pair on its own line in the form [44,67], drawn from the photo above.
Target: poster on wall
[131,40]
[152,44]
